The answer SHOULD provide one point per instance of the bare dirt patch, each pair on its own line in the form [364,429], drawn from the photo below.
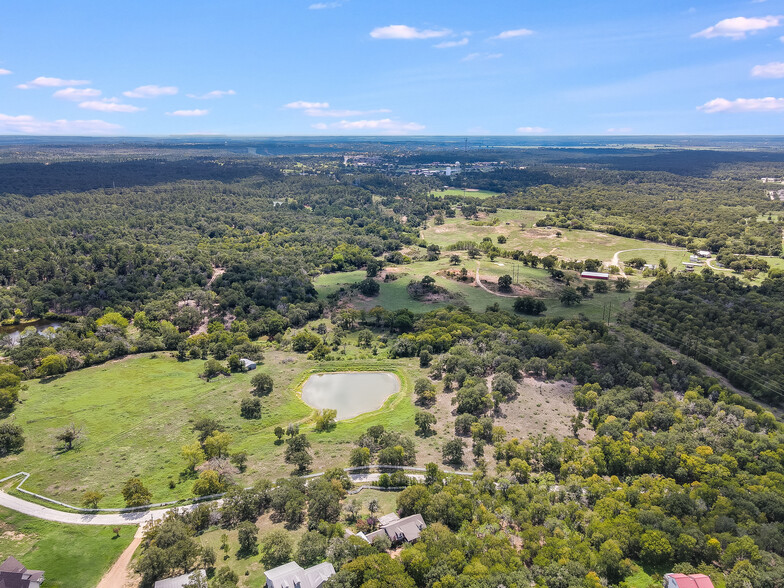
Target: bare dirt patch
[544,408]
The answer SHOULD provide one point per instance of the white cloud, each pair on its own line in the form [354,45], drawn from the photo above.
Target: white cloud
[213,94]
[335,113]
[743,105]
[407,32]
[28,125]
[737,28]
[384,125]
[76,93]
[302,104]
[44,82]
[774,69]
[532,130]
[151,91]
[5,72]
[109,105]
[448,44]
[324,5]
[194,112]
[482,56]
[513,34]
[619,131]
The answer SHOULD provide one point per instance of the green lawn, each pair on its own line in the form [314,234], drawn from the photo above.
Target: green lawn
[136,414]
[71,556]
[469,192]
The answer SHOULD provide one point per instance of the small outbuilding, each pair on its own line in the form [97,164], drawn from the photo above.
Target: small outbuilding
[687,581]
[705,254]
[247,364]
[595,276]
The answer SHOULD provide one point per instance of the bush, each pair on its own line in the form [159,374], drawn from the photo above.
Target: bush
[325,421]
[369,287]
[529,305]
[11,438]
[135,493]
[250,408]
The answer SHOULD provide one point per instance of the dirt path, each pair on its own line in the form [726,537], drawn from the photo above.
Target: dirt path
[216,272]
[479,283]
[120,574]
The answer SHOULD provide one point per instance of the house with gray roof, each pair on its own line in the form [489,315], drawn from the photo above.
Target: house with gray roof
[180,581]
[14,575]
[292,575]
[402,530]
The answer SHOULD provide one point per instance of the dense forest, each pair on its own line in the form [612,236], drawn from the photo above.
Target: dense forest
[732,327]
[678,473]
[213,258]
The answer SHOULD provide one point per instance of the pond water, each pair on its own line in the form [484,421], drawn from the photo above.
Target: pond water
[15,331]
[350,393]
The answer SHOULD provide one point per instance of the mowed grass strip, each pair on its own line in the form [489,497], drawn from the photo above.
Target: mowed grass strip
[71,556]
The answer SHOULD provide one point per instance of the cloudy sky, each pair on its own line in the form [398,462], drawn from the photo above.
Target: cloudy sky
[299,67]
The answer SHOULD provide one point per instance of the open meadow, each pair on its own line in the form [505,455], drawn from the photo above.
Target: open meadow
[137,413]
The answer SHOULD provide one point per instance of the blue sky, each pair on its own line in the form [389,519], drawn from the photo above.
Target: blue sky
[322,67]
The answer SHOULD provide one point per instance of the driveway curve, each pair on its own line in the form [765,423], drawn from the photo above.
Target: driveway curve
[128,518]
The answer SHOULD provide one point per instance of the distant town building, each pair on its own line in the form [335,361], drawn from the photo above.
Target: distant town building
[291,575]
[687,581]
[595,276]
[248,364]
[402,530]
[704,253]
[14,575]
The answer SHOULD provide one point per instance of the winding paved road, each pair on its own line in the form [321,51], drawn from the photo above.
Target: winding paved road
[130,518]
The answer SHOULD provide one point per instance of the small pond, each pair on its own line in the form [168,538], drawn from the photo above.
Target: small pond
[14,332]
[350,393]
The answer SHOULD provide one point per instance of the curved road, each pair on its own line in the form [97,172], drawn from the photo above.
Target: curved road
[130,518]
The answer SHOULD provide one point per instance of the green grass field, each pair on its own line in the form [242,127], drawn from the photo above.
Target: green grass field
[136,414]
[394,296]
[469,192]
[71,556]
[571,244]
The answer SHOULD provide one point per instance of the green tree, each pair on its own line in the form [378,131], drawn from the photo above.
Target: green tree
[212,369]
[262,384]
[655,547]
[217,444]
[359,457]
[193,454]
[622,284]
[208,483]
[11,438]
[52,365]
[325,420]
[135,493]
[275,548]
[505,282]
[247,536]
[424,422]
[250,408]
[569,296]
[453,451]
[311,549]
[90,499]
